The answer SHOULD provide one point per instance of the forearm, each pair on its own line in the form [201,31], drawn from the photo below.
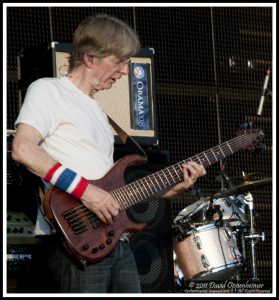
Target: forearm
[32,156]
[35,160]
[175,191]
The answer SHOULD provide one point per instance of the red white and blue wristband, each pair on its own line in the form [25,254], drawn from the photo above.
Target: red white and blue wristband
[67,180]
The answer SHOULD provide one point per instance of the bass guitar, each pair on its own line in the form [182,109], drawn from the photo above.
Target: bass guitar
[85,237]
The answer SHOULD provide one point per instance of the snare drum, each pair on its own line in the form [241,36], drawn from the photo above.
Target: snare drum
[209,253]
[232,208]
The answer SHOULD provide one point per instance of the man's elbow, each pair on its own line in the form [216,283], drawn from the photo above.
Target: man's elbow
[18,151]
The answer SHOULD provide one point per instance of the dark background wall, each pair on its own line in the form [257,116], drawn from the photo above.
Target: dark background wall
[210,64]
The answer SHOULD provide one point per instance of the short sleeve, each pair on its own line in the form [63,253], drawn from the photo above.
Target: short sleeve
[41,107]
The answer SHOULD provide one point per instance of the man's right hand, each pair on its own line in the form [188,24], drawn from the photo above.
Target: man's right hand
[101,203]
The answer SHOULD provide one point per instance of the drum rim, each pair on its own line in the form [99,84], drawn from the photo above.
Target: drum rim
[190,214]
[238,266]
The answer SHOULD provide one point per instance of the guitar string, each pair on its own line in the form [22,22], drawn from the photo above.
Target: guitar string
[146,179]
[172,167]
[175,172]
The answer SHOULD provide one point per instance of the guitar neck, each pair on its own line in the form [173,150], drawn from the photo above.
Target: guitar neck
[143,189]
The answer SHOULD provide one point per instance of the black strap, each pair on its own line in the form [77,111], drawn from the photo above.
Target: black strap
[127,140]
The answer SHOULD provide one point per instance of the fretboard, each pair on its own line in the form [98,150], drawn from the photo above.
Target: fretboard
[147,187]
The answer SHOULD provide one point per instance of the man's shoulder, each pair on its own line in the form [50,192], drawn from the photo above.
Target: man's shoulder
[45,80]
[47,83]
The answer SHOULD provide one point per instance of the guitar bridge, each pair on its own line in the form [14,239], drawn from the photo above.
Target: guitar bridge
[74,221]
[74,218]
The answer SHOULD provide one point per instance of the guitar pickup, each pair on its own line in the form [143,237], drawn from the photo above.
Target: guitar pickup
[94,220]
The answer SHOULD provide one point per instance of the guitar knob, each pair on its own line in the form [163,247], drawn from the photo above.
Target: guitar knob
[94,250]
[102,246]
[111,233]
[85,247]
[108,241]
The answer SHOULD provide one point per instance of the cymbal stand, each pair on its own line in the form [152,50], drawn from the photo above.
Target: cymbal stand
[253,236]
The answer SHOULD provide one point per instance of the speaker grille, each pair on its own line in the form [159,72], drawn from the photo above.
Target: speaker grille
[153,246]
[152,251]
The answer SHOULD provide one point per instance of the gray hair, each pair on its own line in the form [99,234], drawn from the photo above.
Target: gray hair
[103,35]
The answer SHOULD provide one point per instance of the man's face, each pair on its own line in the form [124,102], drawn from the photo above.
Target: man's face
[107,70]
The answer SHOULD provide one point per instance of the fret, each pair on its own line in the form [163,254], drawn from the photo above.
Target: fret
[202,160]
[161,178]
[167,182]
[221,151]
[116,197]
[230,147]
[171,175]
[154,176]
[207,158]
[214,154]
[199,159]
[147,184]
[141,180]
[226,149]
[125,195]
[153,182]
[135,186]
[181,169]
[131,195]
[178,176]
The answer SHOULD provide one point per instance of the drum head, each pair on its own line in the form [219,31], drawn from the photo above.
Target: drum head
[190,210]
[233,210]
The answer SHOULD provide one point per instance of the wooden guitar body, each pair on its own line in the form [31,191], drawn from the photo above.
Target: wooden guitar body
[85,236]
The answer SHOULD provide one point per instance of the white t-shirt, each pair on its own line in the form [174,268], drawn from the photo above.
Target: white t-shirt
[75,130]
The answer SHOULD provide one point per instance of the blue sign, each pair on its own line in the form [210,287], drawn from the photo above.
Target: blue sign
[140,96]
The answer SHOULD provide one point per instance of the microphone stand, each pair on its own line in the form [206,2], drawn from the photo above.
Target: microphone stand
[253,236]
[241,231]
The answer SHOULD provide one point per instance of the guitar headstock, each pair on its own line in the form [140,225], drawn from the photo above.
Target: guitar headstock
[253,137]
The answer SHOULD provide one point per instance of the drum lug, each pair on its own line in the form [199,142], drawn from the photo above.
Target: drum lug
[235,253]
[204,261]
[228,233]
[198,242]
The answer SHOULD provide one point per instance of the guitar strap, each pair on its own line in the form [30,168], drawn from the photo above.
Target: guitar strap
[127,140]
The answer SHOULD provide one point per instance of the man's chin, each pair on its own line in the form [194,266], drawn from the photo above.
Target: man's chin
[107,86]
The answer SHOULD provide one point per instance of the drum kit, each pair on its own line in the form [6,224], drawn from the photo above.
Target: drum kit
[209,235]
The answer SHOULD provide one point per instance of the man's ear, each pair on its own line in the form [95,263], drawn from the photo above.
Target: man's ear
[89,60]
